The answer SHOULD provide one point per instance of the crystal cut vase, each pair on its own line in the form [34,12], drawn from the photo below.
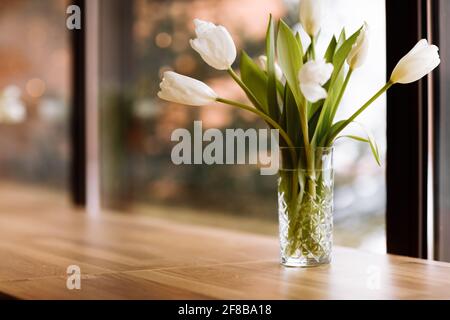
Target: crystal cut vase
[305,206]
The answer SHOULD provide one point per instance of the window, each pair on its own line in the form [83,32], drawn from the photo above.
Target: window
[135,46]
[137,174]
[35,85]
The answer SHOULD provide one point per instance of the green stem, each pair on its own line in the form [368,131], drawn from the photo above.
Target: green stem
[341,94]
[313,48]
[275,125]
[269,120]
[360,110]
[262,115]
[338,102]
[308,150]
[304,124]
[247,91]
[303,113]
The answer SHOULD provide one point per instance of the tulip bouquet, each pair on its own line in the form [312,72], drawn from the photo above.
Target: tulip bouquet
[298,91]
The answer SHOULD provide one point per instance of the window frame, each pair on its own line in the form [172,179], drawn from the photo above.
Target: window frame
[407,137]
[78,112]
[441,152]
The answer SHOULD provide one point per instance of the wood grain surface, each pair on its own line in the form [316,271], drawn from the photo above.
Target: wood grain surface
[125,256]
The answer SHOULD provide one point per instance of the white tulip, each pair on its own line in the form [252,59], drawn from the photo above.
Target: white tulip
[420,61]
[214,44]
[311,16]
[185,90]
[312,76]
[360,49]
[263,65]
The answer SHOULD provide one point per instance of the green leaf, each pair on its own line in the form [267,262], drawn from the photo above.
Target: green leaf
[292,117]
[290,57]
[299,41]
[272,97]
[340,85]
[315,108]
[335,128]
[334,93]
[328,110]
[326,115]
[341,39]
[283,116]
[329,54]
[255,79]
[314,119]
[372,143]
[334,88]
[342,54]
[370,140]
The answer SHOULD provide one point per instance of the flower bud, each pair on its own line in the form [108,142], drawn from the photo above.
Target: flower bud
[185,90]
[214,44]
[420,61]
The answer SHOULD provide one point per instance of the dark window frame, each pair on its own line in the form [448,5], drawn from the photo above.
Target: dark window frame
[78,113]
[407,136]
[417,140]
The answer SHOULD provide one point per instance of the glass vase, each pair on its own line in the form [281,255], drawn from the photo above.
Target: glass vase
[305,206]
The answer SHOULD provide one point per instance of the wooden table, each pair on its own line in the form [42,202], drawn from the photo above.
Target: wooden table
[135,257]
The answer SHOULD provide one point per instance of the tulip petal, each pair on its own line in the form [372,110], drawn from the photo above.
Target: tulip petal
[313,93]
[360,49]
[214,44]
[311,16]
[317,71]
[420,61]
[185,90]
[312,76]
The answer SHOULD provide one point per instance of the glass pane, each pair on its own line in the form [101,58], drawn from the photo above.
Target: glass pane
[34,94]
[138,175]
[360,182]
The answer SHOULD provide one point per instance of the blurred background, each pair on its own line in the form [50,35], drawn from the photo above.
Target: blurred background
[139,40]
[35,95]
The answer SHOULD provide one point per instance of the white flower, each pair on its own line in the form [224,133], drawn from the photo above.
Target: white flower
[420,61]
[360,49]
[263,65]
[312,77]
[311,16]
[214,44]
[185,90]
